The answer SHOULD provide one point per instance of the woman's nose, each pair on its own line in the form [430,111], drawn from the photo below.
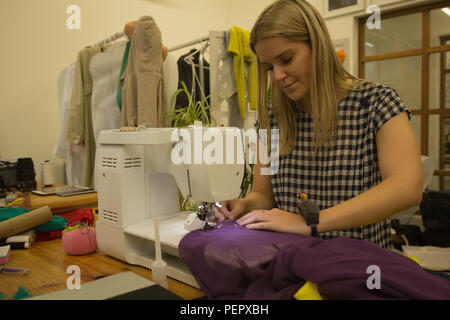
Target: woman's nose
[278,73]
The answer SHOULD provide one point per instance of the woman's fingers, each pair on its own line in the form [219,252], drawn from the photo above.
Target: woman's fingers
[258,225]
[253,217]
[274,220]
[221,211]
[219,215]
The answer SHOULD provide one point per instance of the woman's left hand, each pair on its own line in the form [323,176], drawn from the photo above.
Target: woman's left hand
[275,220]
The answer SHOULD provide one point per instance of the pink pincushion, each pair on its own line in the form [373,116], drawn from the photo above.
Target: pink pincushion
[79,241]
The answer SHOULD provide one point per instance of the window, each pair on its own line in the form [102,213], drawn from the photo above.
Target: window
[411,53]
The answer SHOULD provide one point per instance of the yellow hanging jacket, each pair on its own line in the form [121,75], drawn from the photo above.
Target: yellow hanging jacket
[239,47]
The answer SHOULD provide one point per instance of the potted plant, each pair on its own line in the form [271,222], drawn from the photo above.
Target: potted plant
[183,116]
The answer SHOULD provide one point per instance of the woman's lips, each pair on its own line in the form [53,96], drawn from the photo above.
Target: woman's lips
[287,85]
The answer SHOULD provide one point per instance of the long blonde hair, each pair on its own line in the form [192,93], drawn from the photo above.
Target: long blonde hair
[297,20]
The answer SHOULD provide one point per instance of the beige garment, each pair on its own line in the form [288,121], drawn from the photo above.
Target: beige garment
[144,100]
[80,129]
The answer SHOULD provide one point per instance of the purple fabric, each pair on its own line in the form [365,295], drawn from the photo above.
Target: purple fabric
[233,262]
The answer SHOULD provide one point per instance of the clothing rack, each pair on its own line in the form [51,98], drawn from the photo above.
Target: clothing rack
[114,37]
[190,43]
[200,60]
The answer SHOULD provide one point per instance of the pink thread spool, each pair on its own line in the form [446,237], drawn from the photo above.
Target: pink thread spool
[79,240]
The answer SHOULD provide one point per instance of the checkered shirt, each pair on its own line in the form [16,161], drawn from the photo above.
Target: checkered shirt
[347,168]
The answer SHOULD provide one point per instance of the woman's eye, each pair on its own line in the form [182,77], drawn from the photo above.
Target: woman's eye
[286,61]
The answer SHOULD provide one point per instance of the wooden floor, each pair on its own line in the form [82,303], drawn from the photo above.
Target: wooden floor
[48,263]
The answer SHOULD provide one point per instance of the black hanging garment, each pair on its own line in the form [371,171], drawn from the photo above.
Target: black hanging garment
[185,74]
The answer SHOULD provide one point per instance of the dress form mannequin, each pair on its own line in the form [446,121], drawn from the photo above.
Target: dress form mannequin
[129,29]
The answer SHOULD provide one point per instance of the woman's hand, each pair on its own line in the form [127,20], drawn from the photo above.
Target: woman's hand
[231,209]
[275,220]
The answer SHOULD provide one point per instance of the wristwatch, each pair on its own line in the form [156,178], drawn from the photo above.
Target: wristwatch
[310,211]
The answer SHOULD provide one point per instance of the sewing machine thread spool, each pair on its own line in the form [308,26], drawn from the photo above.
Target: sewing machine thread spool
[47,173]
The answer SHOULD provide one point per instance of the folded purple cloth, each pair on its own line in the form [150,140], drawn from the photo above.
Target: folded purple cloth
[233,262]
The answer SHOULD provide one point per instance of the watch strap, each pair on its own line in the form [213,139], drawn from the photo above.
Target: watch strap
[314,232]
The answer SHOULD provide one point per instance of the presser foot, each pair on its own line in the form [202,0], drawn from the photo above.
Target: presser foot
[194,222]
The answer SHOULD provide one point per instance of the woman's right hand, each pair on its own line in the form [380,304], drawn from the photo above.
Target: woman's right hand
[231,209]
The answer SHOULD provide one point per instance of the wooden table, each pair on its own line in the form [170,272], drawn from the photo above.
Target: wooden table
[48,262]
[34,201]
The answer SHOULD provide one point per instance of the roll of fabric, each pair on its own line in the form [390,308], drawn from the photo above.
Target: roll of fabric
[25,221]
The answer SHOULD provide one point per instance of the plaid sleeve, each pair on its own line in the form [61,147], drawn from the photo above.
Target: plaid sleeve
[387,106]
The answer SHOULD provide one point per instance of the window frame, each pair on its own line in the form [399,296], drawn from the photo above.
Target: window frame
[424,112]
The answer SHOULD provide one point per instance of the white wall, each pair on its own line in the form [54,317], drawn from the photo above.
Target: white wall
[37,46]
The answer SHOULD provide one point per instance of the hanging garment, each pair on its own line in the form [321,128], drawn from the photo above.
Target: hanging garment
[121,75]
[73,153]
[105,68]
[75,167]
[80,130]
[224,99]
[144,100]
[190,75]
[64,87]
[240,49]
[233,262]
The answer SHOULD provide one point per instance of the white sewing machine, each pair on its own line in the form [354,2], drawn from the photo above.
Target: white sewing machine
[137,179]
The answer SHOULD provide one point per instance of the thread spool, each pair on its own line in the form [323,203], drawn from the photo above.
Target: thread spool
[47,173]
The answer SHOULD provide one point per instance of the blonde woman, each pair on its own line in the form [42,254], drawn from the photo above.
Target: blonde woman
[346,143]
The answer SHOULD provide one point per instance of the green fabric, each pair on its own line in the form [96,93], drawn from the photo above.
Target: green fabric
[122,69]
[57,222]
[11,212]
[22,293]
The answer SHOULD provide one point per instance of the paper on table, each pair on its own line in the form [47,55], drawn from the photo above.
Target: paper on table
[430,257]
